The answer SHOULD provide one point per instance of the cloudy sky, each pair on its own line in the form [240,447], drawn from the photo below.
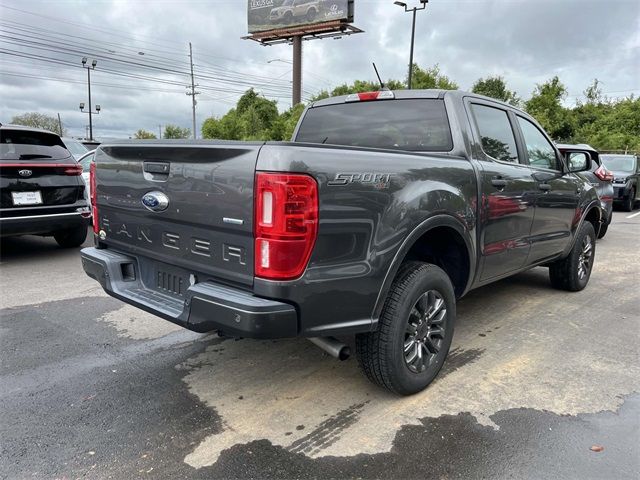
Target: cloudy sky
[142,51]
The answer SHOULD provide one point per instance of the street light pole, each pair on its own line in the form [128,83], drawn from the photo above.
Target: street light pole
[414,10]
[90,112]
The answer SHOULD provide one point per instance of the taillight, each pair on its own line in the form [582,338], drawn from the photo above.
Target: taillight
[285,224]
[73,170]
[94,197]
[604,174]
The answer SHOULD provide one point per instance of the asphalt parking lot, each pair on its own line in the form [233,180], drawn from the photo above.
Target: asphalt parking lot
[92,388]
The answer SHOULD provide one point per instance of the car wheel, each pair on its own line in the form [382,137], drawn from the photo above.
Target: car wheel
[414,332]
[311,15]
[603,230]
[71,238]
[629,201]
[572,273]
[288,18]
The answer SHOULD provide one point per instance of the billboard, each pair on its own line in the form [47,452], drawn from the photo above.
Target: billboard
[265,15]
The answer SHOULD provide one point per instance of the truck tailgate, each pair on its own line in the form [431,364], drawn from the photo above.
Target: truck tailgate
[204,232]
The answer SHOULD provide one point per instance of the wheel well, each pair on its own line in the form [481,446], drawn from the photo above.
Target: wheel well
[594,217]
[444,247]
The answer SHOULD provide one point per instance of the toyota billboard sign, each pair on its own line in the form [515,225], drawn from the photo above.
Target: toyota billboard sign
[265,15]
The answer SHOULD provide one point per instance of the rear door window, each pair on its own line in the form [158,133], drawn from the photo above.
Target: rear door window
[496,134]
[31,145]
[418,125]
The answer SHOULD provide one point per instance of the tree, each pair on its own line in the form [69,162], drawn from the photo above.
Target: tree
[286,123]
[173,131]
[39,120]
[144,135]
[545,105]
[431,78]
[495,87]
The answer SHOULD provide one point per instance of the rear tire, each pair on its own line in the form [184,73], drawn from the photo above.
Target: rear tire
[414,331]
[572,273]
[603,230]
[71,238]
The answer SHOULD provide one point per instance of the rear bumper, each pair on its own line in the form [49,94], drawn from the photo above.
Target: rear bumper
[204,306]
[42,224]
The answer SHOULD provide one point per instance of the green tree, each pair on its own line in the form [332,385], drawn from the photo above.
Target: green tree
[39,120]
[144,135]
[545,105]
[431,78]
[173,131]
[495,87]
[286,123]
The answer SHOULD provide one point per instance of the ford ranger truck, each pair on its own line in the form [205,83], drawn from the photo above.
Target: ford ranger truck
[384,210]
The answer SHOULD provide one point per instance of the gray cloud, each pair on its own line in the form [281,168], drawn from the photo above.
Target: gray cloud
[525,41]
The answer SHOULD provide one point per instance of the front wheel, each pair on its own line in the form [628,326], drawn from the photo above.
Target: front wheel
[629,201]
[573,273]
[71,238]
[414,331]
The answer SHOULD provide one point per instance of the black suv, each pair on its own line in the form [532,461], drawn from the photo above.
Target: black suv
[42,192]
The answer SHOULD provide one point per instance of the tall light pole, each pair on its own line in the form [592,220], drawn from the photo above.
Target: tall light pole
[423,4]
[90,112]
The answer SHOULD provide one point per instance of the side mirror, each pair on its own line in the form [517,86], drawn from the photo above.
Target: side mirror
[578,161]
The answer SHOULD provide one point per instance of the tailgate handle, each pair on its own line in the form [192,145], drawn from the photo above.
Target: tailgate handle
[156,167]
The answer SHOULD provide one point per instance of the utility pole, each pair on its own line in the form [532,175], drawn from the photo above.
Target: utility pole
[193,92]
[159,131]
[413,34]
[59,124]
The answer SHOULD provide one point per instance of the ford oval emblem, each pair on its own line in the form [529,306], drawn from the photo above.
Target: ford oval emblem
[155,201]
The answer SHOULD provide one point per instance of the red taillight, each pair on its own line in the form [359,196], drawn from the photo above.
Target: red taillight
[94,197]
[73,170]
[604,174]
[285,224]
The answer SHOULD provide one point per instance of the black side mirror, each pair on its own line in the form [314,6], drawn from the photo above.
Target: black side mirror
[578,161]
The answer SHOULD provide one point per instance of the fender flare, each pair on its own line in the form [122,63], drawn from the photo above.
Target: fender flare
[594,204]
[441,220]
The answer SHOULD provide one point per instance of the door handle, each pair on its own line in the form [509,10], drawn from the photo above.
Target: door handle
[498,182]
[545,187]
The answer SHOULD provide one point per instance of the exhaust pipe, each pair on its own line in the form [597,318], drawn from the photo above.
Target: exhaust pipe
[333,347]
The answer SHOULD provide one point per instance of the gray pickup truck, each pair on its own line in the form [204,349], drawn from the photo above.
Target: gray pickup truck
[385,209]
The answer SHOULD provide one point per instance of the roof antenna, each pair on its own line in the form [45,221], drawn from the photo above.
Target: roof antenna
[382,87]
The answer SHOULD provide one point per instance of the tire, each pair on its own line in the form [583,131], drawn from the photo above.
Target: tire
[71,238]
[288,18]
[603,230]
[629,201]
[572,273]
[421,303]
[311,15]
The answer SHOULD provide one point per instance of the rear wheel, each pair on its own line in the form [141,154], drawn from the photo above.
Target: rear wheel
[572,273]
[71,238]
[414,331]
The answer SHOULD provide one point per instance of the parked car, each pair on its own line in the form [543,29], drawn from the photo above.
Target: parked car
[41,188]
[327,236]
[598,176]
[85,161]
[626,173]
[77,148]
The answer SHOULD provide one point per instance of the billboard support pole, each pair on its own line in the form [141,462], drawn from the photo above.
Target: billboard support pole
[297,70]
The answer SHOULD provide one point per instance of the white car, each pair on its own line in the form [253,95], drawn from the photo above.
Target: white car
[76,148]
[85,160]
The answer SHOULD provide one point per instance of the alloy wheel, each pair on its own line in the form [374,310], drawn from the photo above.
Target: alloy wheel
[425,331]
[586,256]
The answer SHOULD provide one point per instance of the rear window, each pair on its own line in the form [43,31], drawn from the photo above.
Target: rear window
[29,145]
[418,125]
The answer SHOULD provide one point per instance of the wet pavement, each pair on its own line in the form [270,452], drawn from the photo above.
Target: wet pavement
[92,388]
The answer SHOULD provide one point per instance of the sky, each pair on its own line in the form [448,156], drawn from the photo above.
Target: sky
[142,50]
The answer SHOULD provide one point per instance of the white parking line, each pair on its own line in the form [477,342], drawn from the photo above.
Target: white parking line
[634,215]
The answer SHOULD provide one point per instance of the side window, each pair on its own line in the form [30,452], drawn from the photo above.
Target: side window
[496,133]
[541,152]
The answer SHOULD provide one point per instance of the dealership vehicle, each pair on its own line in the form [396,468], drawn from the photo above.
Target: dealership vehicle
[41,187]
[598,176]
[85,161]
[626,173]
[386,208]
[76,147]
[294,9]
